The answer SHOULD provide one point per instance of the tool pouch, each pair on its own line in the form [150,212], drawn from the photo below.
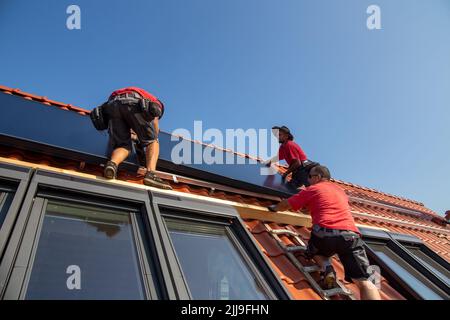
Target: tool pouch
[150,109]
[98,118]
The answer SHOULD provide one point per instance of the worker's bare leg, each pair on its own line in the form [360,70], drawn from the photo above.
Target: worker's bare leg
[152,155]
[119,155]
[368,290]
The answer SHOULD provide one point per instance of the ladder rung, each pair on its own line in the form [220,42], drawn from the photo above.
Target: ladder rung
[296,248]
[335,291]
[310,269]
[286,232]
[307,270]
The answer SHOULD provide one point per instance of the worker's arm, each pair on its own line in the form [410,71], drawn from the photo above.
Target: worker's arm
[296,202]
[296,163]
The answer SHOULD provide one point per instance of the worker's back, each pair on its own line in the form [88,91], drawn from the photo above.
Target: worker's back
[328,205]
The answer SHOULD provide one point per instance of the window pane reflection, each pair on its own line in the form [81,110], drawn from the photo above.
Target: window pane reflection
[434,266]
[6,199]
[213,266]
[97,241]
[409,275]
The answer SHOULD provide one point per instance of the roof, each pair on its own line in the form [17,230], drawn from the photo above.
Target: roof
[369,207]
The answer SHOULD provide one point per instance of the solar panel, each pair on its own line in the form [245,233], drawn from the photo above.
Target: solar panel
[247,175]
[33,126]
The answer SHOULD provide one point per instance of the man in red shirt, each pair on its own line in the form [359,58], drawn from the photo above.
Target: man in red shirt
[134,109]
[334,231]
[295,157]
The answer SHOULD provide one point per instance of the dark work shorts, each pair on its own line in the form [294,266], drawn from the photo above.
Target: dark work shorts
[300,176]
[350,249]
[122,118]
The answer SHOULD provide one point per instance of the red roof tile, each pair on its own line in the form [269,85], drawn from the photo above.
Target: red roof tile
[43,100]
[269,245]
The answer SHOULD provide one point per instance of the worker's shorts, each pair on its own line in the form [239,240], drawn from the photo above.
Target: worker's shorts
[300,176]
[348,246]
[123,117]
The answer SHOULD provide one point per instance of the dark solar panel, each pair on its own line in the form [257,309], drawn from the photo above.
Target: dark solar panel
[33,126]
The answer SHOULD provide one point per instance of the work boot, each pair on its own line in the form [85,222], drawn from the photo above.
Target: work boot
[110,171]
[329,278]
[152,180]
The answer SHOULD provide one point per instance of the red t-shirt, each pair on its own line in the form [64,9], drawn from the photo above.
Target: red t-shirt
[327,204]
[142,92]
[289,151]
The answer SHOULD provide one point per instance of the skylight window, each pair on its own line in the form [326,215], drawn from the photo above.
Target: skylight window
[430,262]
[6,198]
[85,252]
[394,263]
[214,263]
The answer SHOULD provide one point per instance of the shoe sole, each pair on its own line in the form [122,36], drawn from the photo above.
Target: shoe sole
[110,173]
[159,185]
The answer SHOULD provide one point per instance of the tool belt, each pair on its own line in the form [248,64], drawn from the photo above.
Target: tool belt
[325,232]
[149,108]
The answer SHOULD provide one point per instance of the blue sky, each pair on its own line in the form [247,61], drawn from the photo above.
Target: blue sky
[373,106]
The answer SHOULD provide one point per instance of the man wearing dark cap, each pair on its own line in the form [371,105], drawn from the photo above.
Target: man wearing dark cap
[295,157]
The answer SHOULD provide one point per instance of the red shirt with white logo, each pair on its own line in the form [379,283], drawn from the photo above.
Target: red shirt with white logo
[327,204]
[289,151]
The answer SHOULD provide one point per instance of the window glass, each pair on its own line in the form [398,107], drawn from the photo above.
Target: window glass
[214,268]
[85,252]
[6,199]
[433,265]
[410,276]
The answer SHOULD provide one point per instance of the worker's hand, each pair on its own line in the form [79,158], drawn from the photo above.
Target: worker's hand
[134,136]
[272,208]
[267,163]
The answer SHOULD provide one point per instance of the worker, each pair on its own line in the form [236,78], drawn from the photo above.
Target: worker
[137,110]
[333,231]
[292,153]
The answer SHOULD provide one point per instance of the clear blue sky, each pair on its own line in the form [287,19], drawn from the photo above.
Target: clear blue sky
[372,105]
